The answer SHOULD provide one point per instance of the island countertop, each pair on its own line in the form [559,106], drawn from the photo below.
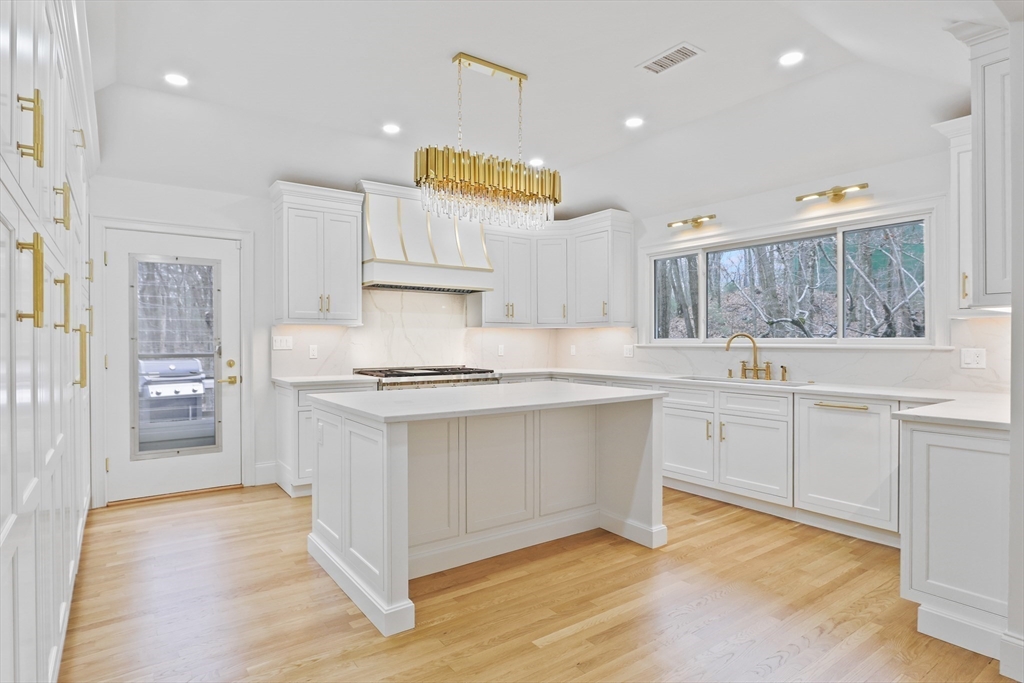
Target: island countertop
[441,403]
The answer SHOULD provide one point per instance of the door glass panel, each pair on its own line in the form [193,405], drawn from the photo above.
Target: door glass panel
[176,342]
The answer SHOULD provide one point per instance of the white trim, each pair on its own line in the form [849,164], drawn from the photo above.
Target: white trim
[99,225]
[976,636]
[928,210]
[1011,656]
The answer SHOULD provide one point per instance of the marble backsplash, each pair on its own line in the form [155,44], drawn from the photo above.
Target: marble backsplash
[413,328]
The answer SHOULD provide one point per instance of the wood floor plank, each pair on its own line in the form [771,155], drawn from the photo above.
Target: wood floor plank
[219,586]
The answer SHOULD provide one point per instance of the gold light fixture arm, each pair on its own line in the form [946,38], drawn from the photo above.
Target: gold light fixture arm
[489,68]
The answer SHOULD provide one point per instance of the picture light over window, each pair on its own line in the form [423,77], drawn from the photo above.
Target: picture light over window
[696,221]
[836,194]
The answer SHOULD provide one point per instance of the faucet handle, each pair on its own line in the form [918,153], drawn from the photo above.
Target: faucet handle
[743,369]
[768,370]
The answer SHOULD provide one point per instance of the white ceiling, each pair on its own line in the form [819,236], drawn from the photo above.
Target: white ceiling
[299,90]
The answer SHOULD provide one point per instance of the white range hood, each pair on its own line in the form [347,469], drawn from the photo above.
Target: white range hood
[406,248]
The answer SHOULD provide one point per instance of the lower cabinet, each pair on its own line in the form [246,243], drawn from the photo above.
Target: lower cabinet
[955,494]
[689,443]
[296,434]
[847,459]
[755,457]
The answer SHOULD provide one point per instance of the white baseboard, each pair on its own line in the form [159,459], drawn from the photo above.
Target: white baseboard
[957,629]
[388,620]
[647,536]
[437,559]
[839,526]
[1011,657]
[296,490]
[266,473]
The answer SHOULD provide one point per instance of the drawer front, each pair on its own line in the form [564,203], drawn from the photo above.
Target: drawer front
[690,397]
[757,404]
[306,393]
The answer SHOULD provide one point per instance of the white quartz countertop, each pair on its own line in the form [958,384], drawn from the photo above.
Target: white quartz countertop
[309,381]
[488,399]
[988,411]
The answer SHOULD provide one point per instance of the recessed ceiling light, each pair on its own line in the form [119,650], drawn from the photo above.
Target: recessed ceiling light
[536,162]
[391,128]
[634,122]
[176,79]
[791,58]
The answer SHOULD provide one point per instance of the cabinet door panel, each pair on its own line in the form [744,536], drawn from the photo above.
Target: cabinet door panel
[689,444]
[998,190]
[592,278]
[552,281]
[304,278]
[754,457]
[960,502]
[433,481]
[847,460]
[495,309]
[620,301]
[499,470]
[306,444]
[567,459]
[342,267]
[520,277]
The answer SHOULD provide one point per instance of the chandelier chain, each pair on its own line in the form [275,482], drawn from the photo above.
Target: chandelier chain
[520,120]
[460,105]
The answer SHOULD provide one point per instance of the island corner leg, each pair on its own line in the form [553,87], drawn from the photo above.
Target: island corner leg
[629,471]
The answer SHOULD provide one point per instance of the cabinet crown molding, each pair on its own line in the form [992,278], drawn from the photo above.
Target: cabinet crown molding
[282,190]
[971,34]
[954,128]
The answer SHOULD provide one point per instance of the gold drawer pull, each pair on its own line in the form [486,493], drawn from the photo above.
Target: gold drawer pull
[66,325]
[604,308]
[38,284]
[83,357]
[963,286]
[707,430]
[721,431]
[65,192]
[90,276]
[89,308]
[82,133]
[33,104]
[841,406]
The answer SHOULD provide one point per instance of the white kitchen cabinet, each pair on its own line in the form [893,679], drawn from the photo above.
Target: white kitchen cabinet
[847,459]
[755,457]
[318,265]
[509,303]
[955,547]
[592,277]
[689,444]
[958,131]
[296,439]
[552,281]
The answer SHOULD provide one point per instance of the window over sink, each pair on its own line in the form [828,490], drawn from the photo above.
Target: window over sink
[846,283]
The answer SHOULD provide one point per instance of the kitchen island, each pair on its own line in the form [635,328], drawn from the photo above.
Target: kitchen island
[409,483]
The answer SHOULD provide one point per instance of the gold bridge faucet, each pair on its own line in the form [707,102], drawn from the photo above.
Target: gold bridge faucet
[755,372]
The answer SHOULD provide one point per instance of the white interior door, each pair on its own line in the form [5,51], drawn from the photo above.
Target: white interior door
[173,345]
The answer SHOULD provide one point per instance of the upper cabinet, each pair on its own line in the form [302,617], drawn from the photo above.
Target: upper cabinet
[318,253]
[983,211]
[579,274]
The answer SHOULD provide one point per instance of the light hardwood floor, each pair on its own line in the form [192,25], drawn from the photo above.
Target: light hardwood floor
[218,586]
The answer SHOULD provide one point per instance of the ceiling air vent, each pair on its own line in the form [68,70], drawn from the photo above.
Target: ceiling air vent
[666,60]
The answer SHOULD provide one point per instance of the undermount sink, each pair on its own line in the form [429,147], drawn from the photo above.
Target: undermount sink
[740,380]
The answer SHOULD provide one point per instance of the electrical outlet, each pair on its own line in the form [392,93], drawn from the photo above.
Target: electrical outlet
[972,358]
[312,351]
[572,349]
[501,349]
[282,343]
[627,350]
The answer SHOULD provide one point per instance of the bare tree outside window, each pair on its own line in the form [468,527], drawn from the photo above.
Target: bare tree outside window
[779,290]
[883,281]
[676,292]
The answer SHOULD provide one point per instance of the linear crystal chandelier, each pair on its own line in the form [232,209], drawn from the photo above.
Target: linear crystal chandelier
[458,183]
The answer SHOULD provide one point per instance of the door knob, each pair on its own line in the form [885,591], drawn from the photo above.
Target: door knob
[232,379]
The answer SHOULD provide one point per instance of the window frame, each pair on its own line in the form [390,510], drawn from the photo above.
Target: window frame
[701,243]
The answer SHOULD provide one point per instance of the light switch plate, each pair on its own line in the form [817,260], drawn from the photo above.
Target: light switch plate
[627,350]
[312,351]
[972,358]
[572,349]
[283,343]
[501,349]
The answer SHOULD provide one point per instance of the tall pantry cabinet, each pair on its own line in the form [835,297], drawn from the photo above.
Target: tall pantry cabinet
[47,120]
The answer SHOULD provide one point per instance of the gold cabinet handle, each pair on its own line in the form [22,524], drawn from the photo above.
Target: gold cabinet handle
[38,285]
[82,133]
[707,430]
[565,311]
[840,406]
[328,303]
[513,311]
[604,308]
[963,286]
[83,357]
[721,431]
[89,308]
[66,325]
[507,314]
[89,277]
[33,104]
[65,193]
[321,303]
[231,379]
